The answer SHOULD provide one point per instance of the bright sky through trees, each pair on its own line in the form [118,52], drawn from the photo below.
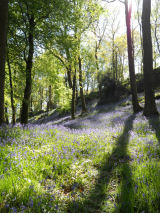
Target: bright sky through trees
[118,6]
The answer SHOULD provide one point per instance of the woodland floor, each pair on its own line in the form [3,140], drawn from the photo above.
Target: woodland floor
[105,162]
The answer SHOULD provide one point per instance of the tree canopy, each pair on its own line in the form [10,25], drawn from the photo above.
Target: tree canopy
[60,51]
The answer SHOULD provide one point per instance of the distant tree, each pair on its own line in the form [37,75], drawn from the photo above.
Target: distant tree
[99,31]
[155,33]
[121,47]
[73,103]
[49,88]
[156,23]
[3,38]
[114,30]
[128,11]
[65,40]
[84,109]
[138,15]
[29,17]
[150,105]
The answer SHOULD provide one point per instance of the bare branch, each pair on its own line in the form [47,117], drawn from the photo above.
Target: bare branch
[59,57]
[109,1]
[121,1]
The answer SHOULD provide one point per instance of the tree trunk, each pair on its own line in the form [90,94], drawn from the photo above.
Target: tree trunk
[6,114]
[81,86]
[136,107]
[87,85]
[116,66]
[41,98]
[97,67]
[69,76]
[29,62]
[76,94]
[73,105]
[49,97]
[31,105]
[150,105]
[11,92]
[113,55]
[122,69]
[140,29]
[155,34]
[3,38]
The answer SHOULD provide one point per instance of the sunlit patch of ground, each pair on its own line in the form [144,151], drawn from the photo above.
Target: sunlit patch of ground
[107,161]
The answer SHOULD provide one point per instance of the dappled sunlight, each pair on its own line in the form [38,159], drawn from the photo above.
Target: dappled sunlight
[79,106]
[92,167]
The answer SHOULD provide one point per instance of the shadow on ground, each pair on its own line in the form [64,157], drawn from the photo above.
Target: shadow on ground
[154,122]
[94,115]
[98,196]
[104,116]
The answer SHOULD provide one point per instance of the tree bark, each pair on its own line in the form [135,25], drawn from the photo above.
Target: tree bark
[6,114]
[76,94]
[69,70]
[41,98]
[97,67]
[31,105]
[136,107]
[73,104]
[116,66]
[49,98]
[3,39]
[84,109]
[155,34]
[141,39]
[11,91]
[113,55]
[150,105]
[29,62]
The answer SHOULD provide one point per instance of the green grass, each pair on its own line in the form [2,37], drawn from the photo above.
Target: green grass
[53,169]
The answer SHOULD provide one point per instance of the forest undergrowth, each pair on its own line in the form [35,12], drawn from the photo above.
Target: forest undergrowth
[105,162]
